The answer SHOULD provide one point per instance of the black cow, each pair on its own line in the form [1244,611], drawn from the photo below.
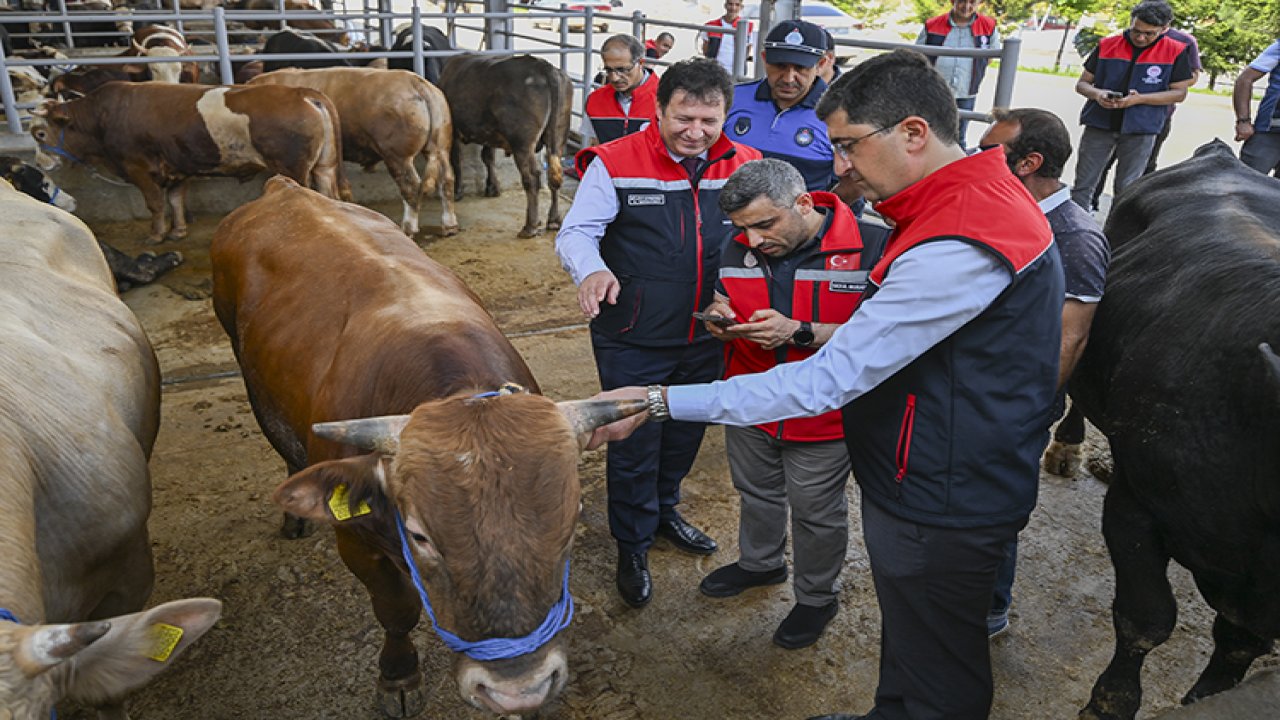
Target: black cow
[432,39]
[297,41]
[520,104]
[128,272]
[1179,379]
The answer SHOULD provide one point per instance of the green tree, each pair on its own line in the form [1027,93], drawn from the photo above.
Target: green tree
[1231,33]
[871,12]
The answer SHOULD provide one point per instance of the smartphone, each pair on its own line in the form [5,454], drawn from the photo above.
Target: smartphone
[718,320]
[1114,95]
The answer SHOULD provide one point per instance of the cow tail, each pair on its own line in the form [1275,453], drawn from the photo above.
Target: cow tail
[555,135]
[328,176]
[438,172]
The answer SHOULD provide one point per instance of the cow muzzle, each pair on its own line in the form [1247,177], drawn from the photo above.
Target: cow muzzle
[501,689]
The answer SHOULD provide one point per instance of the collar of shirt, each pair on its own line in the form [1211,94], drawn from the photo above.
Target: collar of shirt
[677,158]
[764,93]
[1048,204]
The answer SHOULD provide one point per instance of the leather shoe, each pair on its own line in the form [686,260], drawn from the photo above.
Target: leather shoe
[685,536]
[635,585]
[804,625]
[732,579]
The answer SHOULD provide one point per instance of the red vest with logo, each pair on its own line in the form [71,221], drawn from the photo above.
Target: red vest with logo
[827,289]
[607,117]
[1118,70]
[665,243]
[937,29]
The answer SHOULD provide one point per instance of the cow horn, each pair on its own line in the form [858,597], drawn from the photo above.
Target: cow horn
[587,415]
[375,433]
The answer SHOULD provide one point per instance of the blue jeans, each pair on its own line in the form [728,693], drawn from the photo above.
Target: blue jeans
[964,104]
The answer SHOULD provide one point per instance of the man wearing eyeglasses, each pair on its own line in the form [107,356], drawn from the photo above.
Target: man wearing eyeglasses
[775,115]
[627,100]
[1128,81]
[945,376]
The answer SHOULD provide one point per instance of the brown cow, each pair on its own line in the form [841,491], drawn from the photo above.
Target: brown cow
[393,116]
[334,313]
[157,135]
[163,41]
[79,411]
[520,104]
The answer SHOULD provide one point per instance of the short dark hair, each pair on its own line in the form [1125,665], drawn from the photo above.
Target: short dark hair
[890,88]
[1039,131]
[1152,12]
[666,35]
[627,42]
[775,179]
[699,77]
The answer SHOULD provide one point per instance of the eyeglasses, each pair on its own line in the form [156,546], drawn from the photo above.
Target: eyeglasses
[1145,33]
[844,148]
[619,70]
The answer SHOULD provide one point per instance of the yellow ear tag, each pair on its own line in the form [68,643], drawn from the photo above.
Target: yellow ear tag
[339,507]
[164,638]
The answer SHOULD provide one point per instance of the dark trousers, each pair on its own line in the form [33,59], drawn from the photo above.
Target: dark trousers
[965,104]
[934,587]
[645,470]
[1151,161]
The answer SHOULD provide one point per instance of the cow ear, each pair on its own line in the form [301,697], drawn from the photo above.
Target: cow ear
[335,491]
[137,647]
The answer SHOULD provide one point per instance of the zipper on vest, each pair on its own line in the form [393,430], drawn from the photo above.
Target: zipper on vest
[904,441]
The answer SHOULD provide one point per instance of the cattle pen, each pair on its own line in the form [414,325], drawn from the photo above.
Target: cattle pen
[220,35]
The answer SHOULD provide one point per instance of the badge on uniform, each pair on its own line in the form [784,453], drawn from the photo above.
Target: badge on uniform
[750,261]
[804,137]
[645,200]
[742,125]
[846,287]
[1153,75]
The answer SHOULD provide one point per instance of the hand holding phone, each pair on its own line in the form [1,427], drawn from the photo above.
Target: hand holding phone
[717,320]
[1113,95]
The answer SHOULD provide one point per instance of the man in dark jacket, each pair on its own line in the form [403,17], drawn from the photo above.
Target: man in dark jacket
[945,376]
[643,241]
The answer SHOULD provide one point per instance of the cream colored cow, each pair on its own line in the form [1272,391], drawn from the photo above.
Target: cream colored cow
[79,410]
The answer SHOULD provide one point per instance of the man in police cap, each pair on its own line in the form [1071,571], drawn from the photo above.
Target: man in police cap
[776,115]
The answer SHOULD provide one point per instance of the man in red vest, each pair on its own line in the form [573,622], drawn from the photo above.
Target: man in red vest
[628,98]
[794,274]
[963,27]
[643,241]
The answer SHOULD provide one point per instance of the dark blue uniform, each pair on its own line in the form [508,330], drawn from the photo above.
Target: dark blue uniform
[794,135]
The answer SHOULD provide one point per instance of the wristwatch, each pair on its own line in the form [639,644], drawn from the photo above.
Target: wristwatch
[658,411]
[1243,120]
[803,337]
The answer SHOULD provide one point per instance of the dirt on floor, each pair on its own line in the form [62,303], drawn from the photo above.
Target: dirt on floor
[298,639]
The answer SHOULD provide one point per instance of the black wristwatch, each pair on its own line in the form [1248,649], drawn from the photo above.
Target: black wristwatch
[804,336]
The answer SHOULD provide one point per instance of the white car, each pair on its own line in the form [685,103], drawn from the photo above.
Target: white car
[575,24]
[839,23]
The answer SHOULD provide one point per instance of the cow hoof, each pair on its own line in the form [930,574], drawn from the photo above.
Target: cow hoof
[402,698]
[177,234]
[449,231]
[153,240]
[553,224]
[492,191]
[457,196]
[295,528]
[1063,459]
[528,232]
[1101,467]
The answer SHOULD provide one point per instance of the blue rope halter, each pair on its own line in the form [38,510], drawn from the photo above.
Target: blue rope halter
[58,149]
[6,614]
[557,619]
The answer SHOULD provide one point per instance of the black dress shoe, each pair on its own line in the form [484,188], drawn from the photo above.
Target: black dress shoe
[685,536]
[804,625]
[732,579]
[634,582]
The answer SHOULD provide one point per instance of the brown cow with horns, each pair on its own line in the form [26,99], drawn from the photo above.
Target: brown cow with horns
[336,314]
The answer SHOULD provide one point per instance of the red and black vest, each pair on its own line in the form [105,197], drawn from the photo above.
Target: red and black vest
[954,438]
[665,243]
[827,288]
[936,30]
[607,117]
[1117,70]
